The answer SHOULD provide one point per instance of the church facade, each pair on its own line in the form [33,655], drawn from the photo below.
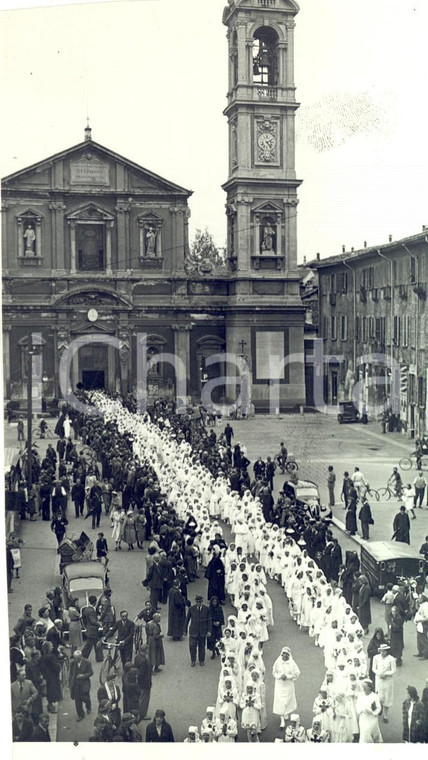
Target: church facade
[98,282]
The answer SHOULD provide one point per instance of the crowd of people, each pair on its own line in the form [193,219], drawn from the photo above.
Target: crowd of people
[169,481]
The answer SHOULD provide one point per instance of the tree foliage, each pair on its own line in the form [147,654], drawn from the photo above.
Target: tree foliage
[204,250]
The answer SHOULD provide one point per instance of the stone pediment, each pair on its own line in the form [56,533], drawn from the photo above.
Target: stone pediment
[90,212]
[91,166]
[86,328]
[90,298]
[267,208]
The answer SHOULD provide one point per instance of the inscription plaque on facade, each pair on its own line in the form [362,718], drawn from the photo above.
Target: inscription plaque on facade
[270,355]
[89,172]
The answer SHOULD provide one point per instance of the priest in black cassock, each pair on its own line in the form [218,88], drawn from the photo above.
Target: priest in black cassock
[176,611]
[215,574]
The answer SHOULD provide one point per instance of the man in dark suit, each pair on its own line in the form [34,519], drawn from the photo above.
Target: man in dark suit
[154,580]
[41,731]
[159,730]
[125,636]
[80,683]
[200,626]
[91,628]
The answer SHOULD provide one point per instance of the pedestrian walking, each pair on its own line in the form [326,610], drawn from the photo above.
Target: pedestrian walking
[368,709]
[154,582]
[144,677]
[331,482]
[215,573]
[155,644]
[396,634]
[359,481]
[419,484]
[366,519]
[111,692]
[384,668]
[347,488]
[228,433]
[351,512]
[198,624]
[159,730]
[91,627]
[401,526]
[20,429]
[124,628]
[285,672]
[80,683]
[421,622]
[270,472]
[414,718]
[409,496]
[78,497]
[176,612]
[364,608]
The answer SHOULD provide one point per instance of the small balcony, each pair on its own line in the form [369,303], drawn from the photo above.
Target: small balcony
[265,92]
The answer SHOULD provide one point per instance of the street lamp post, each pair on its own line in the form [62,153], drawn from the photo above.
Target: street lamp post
[30,355]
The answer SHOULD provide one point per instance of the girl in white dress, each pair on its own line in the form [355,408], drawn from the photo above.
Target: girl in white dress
[285,672]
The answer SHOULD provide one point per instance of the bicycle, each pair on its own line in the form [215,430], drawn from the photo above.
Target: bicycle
[385,494]
[370,493]
[407,463]
[111,660]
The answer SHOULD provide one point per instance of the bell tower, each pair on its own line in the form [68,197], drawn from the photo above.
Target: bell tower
[261,188]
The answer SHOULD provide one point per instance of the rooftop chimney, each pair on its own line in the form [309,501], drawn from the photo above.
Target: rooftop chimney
[390,238]
[365,244]
[343,249]
[423,228]
[352,250]
[304,259]
[318,257]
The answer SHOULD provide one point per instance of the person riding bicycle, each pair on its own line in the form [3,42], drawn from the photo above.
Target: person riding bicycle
[396,482]
[281,457]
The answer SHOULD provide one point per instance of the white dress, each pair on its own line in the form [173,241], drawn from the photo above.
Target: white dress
[384,669]
[284,697]
[368,709]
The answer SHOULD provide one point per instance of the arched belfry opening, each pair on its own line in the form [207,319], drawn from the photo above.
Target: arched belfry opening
[265,56]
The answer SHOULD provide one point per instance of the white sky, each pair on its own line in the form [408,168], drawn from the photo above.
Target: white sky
[152,76]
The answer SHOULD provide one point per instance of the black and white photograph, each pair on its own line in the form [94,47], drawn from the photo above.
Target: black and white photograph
[214,325]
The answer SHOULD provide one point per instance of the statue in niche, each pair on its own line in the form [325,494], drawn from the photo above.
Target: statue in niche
[151,241]
[268,240]
[30,241]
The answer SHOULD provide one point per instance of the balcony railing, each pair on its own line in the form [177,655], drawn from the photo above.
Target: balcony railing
[266,3]
[267,93]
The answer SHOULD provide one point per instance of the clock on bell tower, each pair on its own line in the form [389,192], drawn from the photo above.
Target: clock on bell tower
[265,312]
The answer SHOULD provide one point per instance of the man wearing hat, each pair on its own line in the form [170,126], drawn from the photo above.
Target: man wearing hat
[159,730]
[111,692]
[198,617]
[80,683]
[103,723]
[384,668]
[401,526]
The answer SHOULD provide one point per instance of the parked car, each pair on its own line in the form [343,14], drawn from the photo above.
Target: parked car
[305,493]
[348,412]
[80,580]
[388,562]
